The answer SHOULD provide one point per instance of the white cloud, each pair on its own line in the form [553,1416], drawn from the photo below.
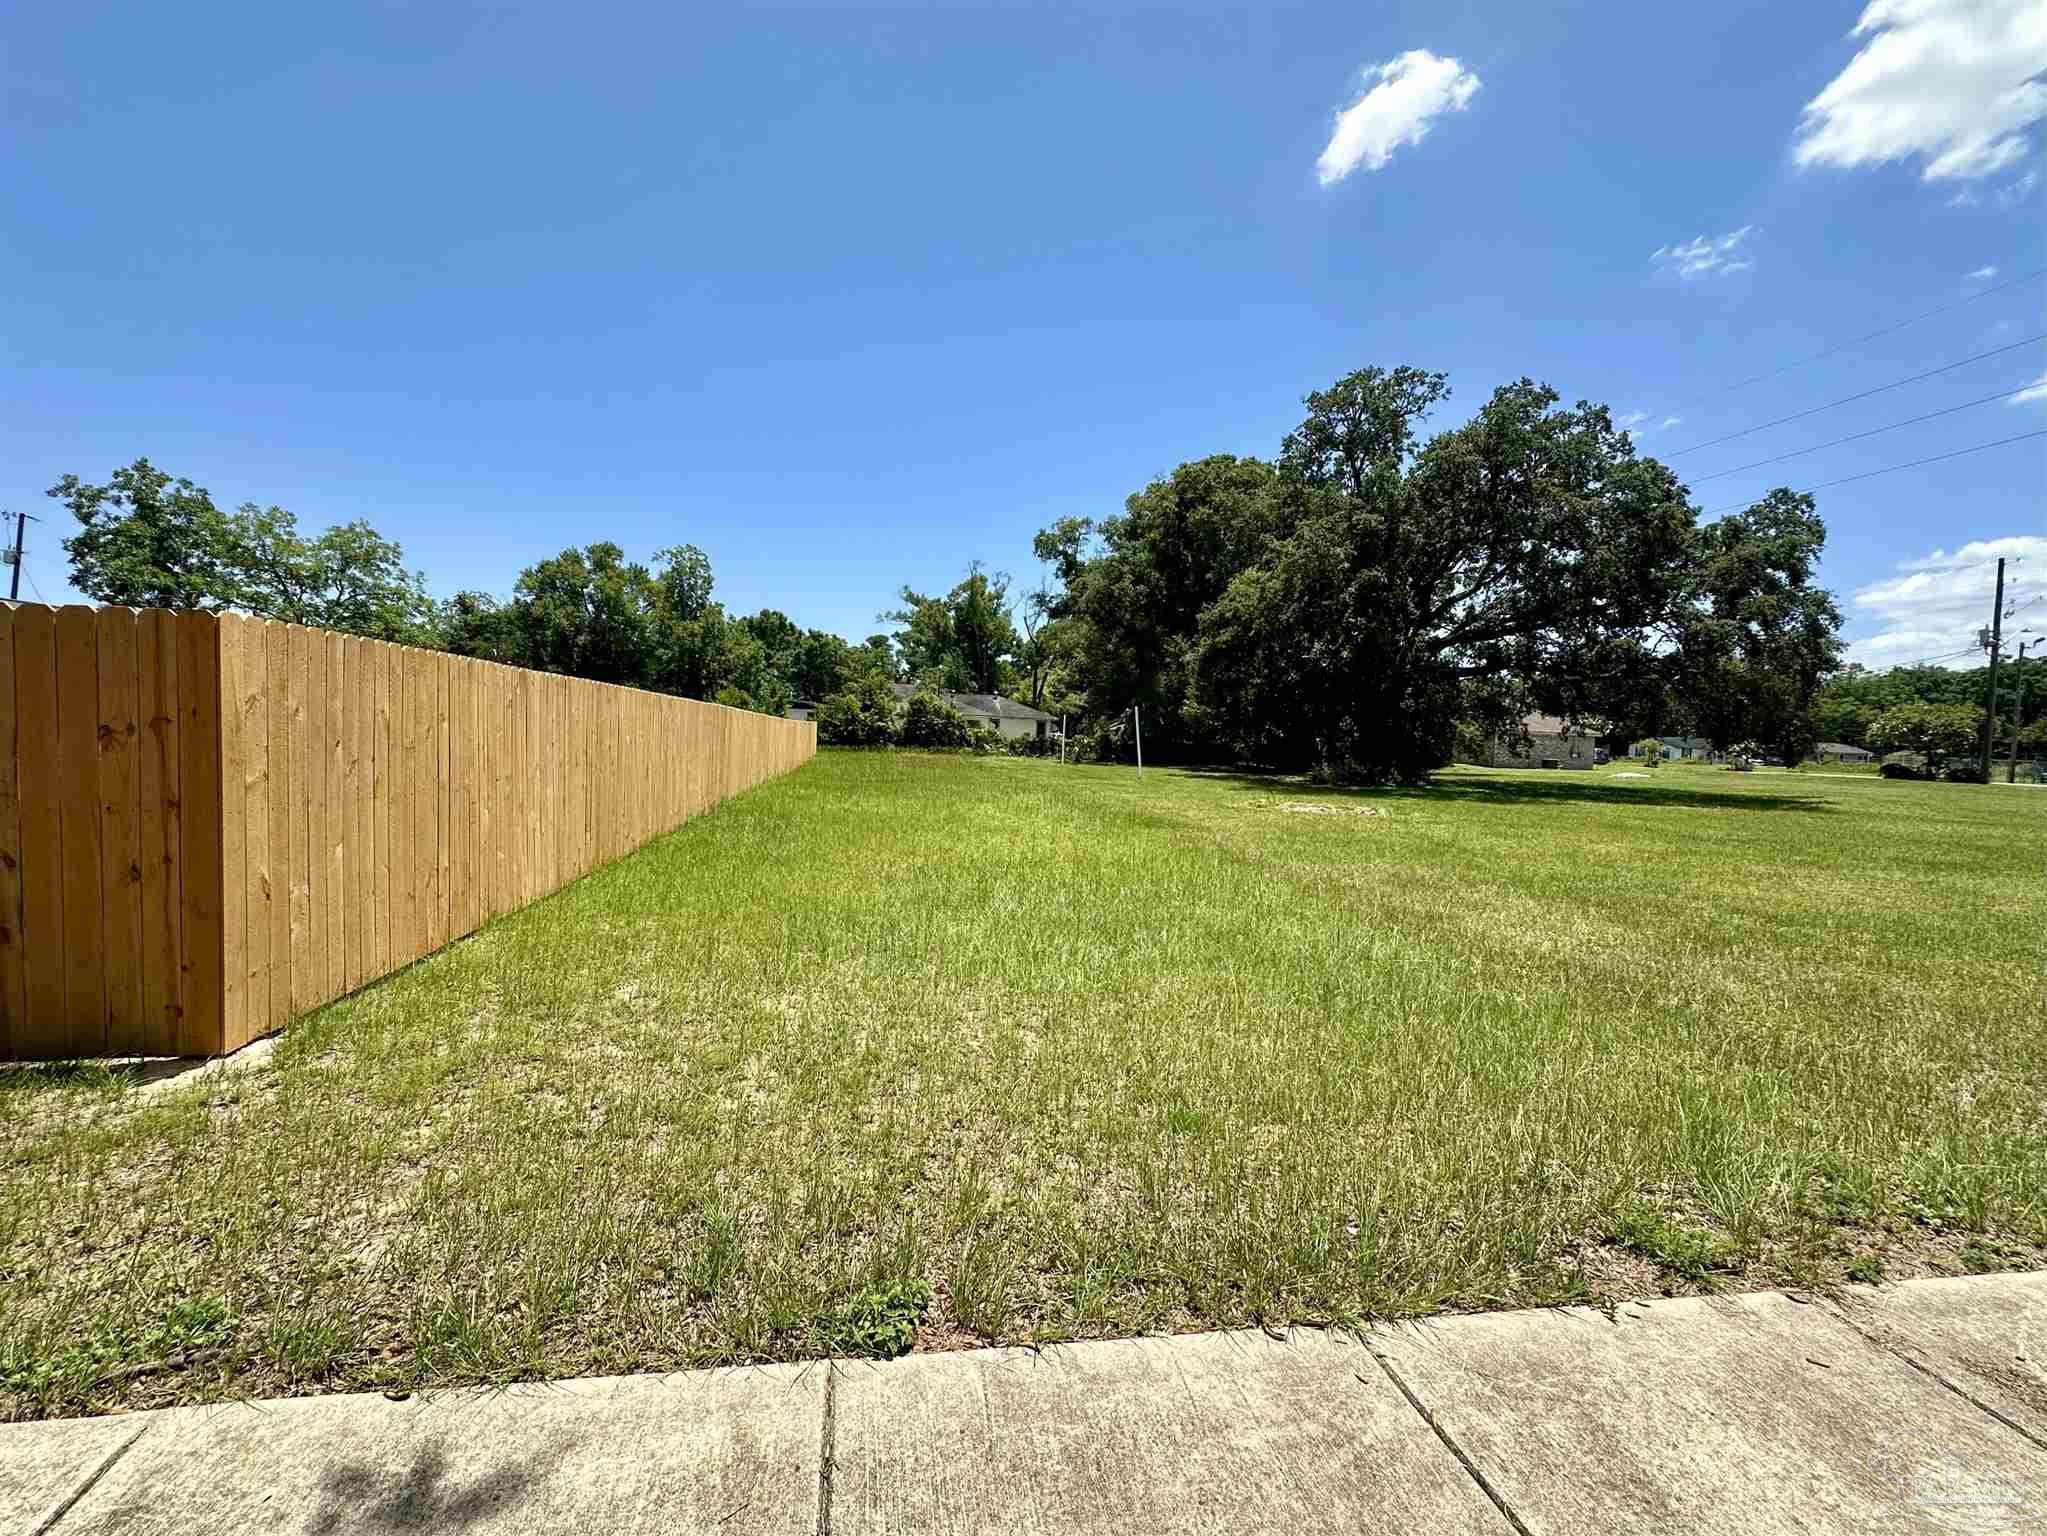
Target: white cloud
[1982,274]
[2019,190]
[1411,92]
[1705,256]
[2037,390]
[1937,603]
[1950,82]
[1639,423]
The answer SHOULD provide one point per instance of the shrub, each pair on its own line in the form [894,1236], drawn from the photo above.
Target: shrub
[1650,750]
[862,714]
[928,721]
[1903,765]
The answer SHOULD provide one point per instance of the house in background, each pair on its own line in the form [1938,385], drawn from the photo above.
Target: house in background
[1682,748]
[1551,744]
[1841,752]
[988,711]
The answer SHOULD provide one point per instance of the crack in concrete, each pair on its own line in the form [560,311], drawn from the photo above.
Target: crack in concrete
[1471,1468]
[64,1508]
[1878,1341]
[827,1449]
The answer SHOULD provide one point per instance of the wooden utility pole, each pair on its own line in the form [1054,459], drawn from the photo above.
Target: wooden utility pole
[1137,714]
[2018,719]
[20,531]
[1996,642]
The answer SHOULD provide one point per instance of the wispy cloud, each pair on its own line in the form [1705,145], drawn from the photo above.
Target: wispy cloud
[1705,255]
[1641,424]
[1982,274]
[1936,603]
[1399,108]
[2018,190]
[2037,390]
[1951,83]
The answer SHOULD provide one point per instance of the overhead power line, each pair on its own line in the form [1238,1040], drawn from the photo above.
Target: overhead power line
[1856,341]
[1889,469]
[1860,395]
[1856,437]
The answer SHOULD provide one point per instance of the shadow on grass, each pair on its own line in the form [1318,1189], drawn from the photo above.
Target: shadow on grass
[1539,787]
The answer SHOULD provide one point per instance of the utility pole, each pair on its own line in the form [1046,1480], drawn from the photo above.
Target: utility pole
[14,556]
[2018,720]
[1996,641]
[1137,714]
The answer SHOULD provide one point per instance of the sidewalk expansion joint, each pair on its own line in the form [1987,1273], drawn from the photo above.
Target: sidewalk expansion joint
[827,1438]
[1471,1467]
[50,1520]
[1930,1374]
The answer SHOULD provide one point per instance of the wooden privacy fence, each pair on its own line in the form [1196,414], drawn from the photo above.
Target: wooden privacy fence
[209,824]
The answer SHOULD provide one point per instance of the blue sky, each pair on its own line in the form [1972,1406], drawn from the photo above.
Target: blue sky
[850,297]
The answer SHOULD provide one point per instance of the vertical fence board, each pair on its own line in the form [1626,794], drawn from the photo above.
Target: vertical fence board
[351,805]
[444,806]
[85,994]
[199,825]
[158,812]
[245,648]
[334,868]
[120,830]
[13,981]
[42,847]
[425,875]
[380,811]
[277,834]
[298,652]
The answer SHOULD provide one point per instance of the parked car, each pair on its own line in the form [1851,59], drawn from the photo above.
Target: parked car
[1601,755]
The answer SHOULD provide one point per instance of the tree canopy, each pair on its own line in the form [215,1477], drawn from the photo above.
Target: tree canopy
[146,539]
[1347,605]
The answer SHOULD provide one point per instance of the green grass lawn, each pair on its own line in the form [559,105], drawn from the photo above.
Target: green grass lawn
[952,1050]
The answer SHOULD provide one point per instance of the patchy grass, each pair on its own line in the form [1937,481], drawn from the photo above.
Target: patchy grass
[945,1050]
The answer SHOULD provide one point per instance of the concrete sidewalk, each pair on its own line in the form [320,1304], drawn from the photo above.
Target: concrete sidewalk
[1922,1407]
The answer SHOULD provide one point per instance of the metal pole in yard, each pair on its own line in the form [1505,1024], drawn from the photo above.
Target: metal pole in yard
[2018,719]
[1996,642]
[1137,714]
[1062,737]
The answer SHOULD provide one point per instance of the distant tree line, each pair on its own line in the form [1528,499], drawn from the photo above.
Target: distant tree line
[1358,605]
[146,539]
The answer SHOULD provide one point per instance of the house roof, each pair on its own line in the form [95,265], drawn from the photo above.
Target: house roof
[1838,747]
[1687,743]
[991,706]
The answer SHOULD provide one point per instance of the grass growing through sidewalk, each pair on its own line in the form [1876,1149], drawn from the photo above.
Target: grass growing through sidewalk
[909,1049]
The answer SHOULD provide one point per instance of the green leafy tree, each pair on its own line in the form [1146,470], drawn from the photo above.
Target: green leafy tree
[1649,749]
[929,721]
[1519,545]
[147,540]
[1934,731]
[1754,638]
[862,714]
[821,665]
[1131,592]
[966,638]
[588,613]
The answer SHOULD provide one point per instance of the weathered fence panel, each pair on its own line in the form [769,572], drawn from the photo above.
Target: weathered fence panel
[209,824]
